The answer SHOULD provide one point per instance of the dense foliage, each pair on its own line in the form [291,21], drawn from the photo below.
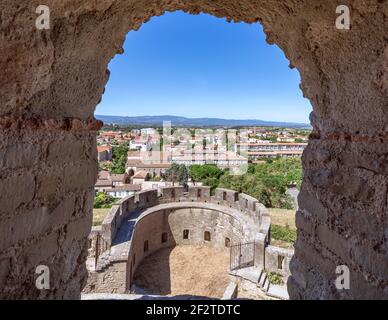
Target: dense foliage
[283,233]
[119,159]
[275,278]
[267,182]
[177,173]
[102,200]
[208,174]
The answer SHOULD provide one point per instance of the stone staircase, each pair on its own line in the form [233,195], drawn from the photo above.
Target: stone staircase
[104,261]
[254,275]
[263,281]
[258,277]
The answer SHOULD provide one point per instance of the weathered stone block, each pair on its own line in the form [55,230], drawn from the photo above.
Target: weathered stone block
[16,190]
[63,151]
[333,241]
[24,155]
[81,175]
[304,223]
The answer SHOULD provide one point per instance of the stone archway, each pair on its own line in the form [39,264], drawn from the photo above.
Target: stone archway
[51,81]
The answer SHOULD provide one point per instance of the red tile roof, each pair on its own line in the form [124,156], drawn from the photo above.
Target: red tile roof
[103,148]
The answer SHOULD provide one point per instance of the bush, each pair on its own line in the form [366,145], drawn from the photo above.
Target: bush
[119,159]
[267,182]
[103,201]
[177,173]
[155,178]
[275,278]
[201,172]
[283,233]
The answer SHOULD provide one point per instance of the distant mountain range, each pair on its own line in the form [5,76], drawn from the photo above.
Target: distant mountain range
[153,121]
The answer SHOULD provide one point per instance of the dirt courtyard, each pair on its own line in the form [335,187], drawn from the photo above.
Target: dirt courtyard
[185,270]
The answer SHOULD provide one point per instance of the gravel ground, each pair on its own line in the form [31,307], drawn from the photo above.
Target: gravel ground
[185,270]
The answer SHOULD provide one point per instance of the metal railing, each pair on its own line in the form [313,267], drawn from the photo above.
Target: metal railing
[242,255]
[101,246]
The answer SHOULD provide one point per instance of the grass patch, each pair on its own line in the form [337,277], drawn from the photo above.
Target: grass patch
[283,217]
[99,216]
[281,233]
[275,278]
[104,201]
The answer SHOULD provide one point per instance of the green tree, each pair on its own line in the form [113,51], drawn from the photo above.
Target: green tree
[201,172]
[177,173]
[267,182]
[208,174]
[119,159]
[102,200]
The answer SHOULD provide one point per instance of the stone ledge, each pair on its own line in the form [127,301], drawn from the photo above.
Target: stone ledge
[65,124]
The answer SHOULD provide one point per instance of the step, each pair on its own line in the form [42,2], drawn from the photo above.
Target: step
[251,274]
[278,291]
[263,279]
[230,292]
[266,284]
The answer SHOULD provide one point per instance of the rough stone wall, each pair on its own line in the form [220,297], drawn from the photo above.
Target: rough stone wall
[225,196]
[47,195]
[52,80]
[226,222]
[151,227]
[171,193]
[272,263]
[199,194]
[132,205]
[112,280]
[197,221]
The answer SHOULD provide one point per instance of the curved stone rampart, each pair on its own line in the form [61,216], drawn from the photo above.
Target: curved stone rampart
[147,221]
[149,198]
[52,80]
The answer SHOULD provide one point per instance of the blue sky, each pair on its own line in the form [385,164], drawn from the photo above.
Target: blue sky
[202,66]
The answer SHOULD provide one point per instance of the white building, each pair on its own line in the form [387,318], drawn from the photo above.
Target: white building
[256,151]
[140,144]
[123,190]
[148,131]
[222,159]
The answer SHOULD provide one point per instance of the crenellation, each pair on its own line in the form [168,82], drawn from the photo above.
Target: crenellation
[201,193]
[147,198]
[50,86]
[172,214]
[225,196]
[171,193]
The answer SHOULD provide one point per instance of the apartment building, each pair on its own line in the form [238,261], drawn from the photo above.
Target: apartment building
[258,150]
[222,159]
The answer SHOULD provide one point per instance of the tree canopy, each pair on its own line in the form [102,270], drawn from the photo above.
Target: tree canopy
[177,173]
[102,200]
[119,159]
[267,182]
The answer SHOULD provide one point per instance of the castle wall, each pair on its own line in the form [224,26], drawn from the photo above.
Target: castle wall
[176,218]
[278,260]
[112,280]
[173,222]
[147,199]
[52,80]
